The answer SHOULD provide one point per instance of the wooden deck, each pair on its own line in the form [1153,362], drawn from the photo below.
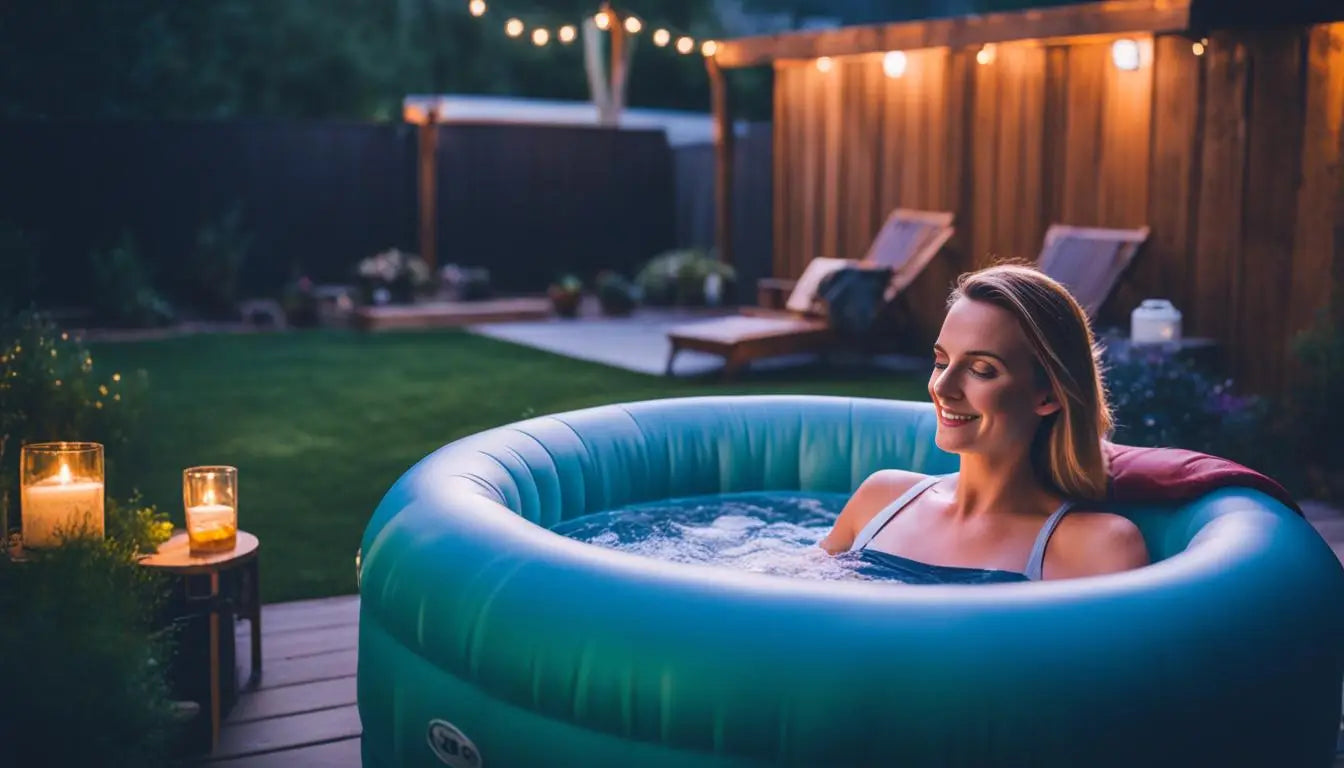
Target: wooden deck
[303,713]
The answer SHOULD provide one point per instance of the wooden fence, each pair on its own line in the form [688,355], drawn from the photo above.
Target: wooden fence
[528,202]
[1232,158]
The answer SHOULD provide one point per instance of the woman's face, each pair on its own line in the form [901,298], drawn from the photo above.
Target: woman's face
[984,383]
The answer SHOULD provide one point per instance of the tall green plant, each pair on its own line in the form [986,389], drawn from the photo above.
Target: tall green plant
[212,269]
[82,667]
[50,390]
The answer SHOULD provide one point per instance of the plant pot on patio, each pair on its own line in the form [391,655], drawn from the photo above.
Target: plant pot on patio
[566,296]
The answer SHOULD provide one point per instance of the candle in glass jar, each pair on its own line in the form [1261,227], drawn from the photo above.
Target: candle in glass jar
[61,504]
[211,501]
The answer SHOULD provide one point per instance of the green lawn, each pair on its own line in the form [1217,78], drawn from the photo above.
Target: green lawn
[321,423]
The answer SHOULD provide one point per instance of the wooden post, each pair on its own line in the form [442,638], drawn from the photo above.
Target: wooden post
[723,160]
[429,143]
[617,72]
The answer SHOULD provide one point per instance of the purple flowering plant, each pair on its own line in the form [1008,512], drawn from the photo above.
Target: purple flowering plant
[1161,399]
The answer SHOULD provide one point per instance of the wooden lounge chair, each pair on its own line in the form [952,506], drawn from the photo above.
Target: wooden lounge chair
[907,242]
[1089,260]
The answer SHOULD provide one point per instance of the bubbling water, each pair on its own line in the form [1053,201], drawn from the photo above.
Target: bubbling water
[773,533]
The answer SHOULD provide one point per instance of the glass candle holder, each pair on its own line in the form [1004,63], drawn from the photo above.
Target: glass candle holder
[210,495]
[61,493]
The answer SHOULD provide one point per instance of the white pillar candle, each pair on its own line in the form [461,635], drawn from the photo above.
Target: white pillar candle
[61,503]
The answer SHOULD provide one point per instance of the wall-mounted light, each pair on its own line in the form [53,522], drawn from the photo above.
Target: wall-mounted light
[987,54]
[824,64]
[893,64]
[1200,46]
[1125,54]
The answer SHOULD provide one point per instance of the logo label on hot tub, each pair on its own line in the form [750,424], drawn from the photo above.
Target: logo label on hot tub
[452,746]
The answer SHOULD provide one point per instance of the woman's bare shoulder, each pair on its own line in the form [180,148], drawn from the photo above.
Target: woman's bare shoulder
[1092,543]
[878,490]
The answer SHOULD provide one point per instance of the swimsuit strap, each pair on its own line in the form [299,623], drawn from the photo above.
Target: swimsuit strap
[882,518]
[1036,562]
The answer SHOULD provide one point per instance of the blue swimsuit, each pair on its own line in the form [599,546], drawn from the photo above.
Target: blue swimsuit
[889,566]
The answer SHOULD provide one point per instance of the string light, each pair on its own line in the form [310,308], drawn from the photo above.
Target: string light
[987,53]
[1200,46]
[1125,54]
[893,64]
[604,19]
[824,64]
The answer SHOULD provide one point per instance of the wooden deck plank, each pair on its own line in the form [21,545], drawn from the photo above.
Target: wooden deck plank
[283,733]
[334,754]
[306,669]
[309,614]
[294,644]
[294,699]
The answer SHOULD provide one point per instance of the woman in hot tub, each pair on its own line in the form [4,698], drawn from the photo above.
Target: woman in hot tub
[1020,399]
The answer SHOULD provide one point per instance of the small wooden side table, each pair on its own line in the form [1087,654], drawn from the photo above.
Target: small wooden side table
[174,556]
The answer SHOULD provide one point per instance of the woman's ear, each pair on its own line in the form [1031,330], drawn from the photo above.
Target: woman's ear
[1047,404]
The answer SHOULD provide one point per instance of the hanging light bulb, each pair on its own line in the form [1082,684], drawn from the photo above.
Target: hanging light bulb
[1125,54]
[661,37]
[987,54]
[709,48]
[513,27]
[602,20]
[476,7]
[1200,46]
[893,64]
[566,34]
[685,45]
[540,37]
[824,64]
[633,25]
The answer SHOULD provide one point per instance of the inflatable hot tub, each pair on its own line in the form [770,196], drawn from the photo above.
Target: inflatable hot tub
[485,639]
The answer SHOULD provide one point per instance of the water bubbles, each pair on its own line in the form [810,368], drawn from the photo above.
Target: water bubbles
[770,533]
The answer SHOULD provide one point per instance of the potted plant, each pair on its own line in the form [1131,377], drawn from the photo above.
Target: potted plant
[615,294]
[566,295]
[688,277]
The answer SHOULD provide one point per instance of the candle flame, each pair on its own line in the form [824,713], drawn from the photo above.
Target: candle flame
[63,477]
[209,496]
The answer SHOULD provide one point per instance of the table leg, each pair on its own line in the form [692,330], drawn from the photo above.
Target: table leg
[255,619]
[214,661]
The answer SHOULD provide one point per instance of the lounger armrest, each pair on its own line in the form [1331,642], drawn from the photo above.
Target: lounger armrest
[773,292]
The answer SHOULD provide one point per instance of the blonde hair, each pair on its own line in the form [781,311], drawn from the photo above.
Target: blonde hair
[1066,451]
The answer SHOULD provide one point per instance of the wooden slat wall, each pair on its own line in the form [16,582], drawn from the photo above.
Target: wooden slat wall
[1233,159]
